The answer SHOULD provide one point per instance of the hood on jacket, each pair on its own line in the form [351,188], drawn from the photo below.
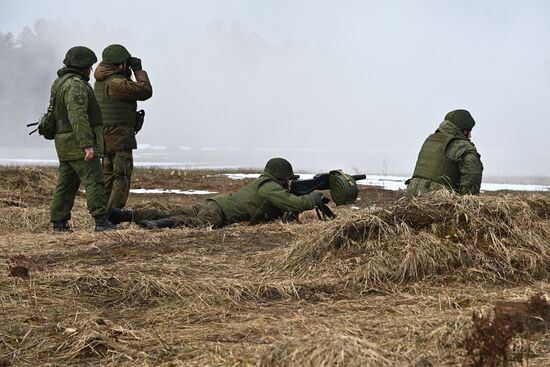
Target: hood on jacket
[79,72]
[449,128]
[103,71]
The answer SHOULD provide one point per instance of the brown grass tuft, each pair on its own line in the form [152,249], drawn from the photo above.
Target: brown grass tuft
[326,350]
[490,238]
[333,293]
[18,267]
[30,179]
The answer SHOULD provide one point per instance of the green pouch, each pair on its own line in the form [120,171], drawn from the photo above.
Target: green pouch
[46,125]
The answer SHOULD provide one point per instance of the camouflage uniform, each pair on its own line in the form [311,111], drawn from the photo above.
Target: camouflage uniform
[205,215]
[264,199]
[117,94]
[78,126]
[448,160]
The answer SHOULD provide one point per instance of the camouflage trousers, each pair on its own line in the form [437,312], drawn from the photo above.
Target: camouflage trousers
[209,214]
[71,174]
[419,186]
[118,168]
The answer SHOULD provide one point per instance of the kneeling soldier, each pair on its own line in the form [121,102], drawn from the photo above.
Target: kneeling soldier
[448,159]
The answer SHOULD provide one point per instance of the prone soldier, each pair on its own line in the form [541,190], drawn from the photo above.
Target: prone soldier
[265,199]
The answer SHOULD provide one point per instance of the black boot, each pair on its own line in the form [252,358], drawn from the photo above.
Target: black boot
[102,223]
[117,216]
[61,226]
[159,223]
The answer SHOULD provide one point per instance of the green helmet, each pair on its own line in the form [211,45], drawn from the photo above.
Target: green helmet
[461,118]
[80,57]
[279,168]
[115,55]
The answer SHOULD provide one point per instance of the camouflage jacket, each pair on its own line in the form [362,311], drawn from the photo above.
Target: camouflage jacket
[262,200]
[120,87]
[468,160]
[75,102]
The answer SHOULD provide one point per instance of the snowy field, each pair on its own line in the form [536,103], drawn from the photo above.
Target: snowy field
[387,182]
[395,183]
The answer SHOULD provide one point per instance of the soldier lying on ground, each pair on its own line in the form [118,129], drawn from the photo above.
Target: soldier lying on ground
[265,199]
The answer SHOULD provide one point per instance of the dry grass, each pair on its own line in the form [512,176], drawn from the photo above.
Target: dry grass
[394,285]
[475,238]
[326,350]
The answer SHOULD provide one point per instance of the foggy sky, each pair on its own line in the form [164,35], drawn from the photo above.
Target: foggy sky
[365,80]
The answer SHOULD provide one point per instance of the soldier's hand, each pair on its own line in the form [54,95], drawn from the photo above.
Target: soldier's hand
[135,63]
[317,197]
[89,153]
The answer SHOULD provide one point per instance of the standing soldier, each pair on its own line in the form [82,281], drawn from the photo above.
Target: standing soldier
[78,141]
[117,95]
[448,159]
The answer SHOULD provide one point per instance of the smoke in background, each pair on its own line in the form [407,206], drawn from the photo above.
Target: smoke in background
[337,84]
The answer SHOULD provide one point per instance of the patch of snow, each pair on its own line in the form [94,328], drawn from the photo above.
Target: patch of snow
[241,176]
[152,147]
[513,187]
[301,149]
[398,183]
[392,183]
[395,183]
[230,149]
[28,162]
[387,182]
[210,149]
[185,165]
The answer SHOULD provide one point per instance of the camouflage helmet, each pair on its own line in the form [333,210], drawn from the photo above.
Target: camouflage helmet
[80,57]
[461,118]
[279,168]
[115,54]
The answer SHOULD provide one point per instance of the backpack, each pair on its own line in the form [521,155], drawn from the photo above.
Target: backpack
[46,124]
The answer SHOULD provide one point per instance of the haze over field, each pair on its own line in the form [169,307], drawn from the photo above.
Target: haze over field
[326,84]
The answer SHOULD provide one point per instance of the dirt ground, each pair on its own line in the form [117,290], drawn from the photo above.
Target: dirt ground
[236,296]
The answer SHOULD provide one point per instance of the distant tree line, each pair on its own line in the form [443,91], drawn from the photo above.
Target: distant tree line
[251,82]
[27,69]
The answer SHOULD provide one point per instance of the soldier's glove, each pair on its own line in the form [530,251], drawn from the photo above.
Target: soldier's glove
[317,197]
[135,64]
[321,207]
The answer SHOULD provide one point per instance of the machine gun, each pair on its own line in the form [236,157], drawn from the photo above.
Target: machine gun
[343,189]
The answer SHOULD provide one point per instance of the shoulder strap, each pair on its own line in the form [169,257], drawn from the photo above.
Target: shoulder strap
[58,83]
